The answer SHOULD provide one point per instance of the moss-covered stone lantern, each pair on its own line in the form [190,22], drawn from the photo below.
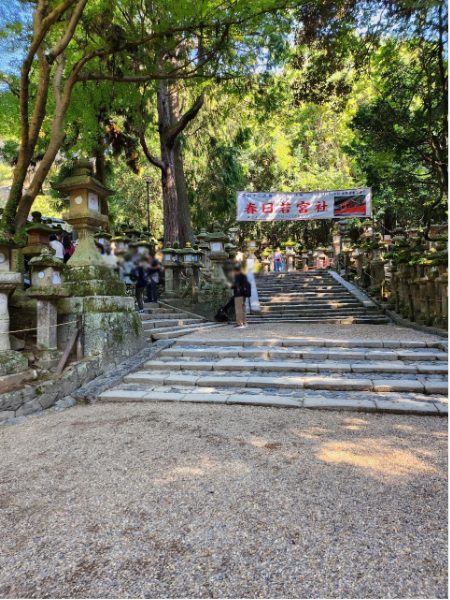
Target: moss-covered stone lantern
[47,287]
[85,194]
[9,280]
[188,255]
[119,244]
[203,245]
[171,255]
[217,240]
[290,255]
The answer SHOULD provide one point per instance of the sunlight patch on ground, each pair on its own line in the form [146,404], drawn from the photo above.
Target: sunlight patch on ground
[205,467]
[379,458]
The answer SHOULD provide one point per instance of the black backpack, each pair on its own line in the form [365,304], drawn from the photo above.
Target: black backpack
[247,289]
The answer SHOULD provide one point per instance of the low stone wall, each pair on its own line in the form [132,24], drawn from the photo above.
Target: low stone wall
[83,380]
[420,293]
[417,292]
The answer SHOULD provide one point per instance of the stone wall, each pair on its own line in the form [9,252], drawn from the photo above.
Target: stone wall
[409,274]
[420,293]
[42,394]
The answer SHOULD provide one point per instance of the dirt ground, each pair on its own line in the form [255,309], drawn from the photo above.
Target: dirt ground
[182,500]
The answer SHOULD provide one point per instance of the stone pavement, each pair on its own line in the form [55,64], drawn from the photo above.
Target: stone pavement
[380,371]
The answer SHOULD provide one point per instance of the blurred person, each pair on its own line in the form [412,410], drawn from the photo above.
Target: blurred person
[69,247]
[57,246]
[140,276]
[241,291]
[153,281]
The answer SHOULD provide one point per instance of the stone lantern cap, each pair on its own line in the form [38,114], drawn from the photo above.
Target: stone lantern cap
[46,276]
[230,247]
[47,258]
[217,235]
[203,235]
[8,240]
[130,231]
[101,233]
[82,177]
[40,226]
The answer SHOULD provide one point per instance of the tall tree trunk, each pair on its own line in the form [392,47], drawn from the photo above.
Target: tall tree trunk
[169,188]
[177,221]
[184,213]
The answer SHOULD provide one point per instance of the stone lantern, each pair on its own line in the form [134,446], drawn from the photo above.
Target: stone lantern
[231,249]
[290,255]
[203,244]
[9,280]
[88,274]
[141,245]
[191,261]
[188,254]
[108,318]
[119,244]
[336,243]
[233,233]
[266,260]
[85,195]
[102,237]
[38,234]
[171,270]
[47,287]
[216,240]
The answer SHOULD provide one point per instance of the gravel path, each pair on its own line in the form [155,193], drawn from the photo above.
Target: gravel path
[296,330]
[172,500]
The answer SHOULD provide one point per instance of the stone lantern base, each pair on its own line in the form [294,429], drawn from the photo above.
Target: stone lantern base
[93,280]
[110,325]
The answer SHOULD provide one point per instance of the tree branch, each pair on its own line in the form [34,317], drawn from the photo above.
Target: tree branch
[64,41]
[156,162]
[185,119]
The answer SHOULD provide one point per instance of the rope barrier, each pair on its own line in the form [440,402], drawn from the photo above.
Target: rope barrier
[35,328]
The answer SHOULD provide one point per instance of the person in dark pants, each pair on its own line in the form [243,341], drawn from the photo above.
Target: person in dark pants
[153,280]
[140,275]
[241,291]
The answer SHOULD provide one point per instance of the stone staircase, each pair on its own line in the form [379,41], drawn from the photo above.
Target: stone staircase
[161,322]
[357,374]
[311,297]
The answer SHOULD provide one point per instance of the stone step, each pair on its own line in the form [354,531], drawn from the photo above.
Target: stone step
[173,333]
[224,379]
[232,363]
[409,403]
[318,342]
[171,315]
[316,354]
[278,298]
[161,323]
[286,288]
[312,309]
[274,298]
[255,320]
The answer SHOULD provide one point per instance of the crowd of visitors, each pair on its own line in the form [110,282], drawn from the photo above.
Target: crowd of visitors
[141,272]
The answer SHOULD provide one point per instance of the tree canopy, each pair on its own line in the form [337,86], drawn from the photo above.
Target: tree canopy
[261,95]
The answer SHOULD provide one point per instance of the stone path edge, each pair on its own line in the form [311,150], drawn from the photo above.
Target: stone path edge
[364,405]
[91,391]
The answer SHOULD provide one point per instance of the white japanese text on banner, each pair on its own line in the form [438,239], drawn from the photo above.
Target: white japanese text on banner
[299,206]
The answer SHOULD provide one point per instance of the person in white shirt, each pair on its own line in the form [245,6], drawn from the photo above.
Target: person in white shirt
[57,246]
